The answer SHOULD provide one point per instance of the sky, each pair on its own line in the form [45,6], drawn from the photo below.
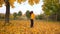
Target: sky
[36,8]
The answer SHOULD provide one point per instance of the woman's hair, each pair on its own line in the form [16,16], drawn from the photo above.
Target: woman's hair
[31,13]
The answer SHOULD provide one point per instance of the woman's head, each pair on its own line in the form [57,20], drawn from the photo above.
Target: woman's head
[31,12]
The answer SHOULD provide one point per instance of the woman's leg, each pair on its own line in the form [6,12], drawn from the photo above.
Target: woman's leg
[31,22]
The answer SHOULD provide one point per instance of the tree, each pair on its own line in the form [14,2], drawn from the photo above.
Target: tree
[28,14]
[15,15]
[9,3]
[19,13]
[51,7]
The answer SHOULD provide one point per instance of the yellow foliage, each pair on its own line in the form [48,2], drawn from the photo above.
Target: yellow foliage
[12,3]
[19,1]
[31,2]
[36,1]
[1,2]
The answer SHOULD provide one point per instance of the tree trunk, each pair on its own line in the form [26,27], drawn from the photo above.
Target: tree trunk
[7,12]
[56,17]
[47,19]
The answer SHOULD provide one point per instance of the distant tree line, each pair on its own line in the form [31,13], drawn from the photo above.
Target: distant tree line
[44,16]
[17,14]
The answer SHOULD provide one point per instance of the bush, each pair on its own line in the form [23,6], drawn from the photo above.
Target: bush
[15,15]
[39,17]
[28,14]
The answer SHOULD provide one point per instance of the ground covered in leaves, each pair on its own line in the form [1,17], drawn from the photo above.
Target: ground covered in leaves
[23,27]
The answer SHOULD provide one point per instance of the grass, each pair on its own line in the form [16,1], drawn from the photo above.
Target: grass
[23,27]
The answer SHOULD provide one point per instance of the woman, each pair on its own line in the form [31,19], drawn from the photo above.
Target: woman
[32,16]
